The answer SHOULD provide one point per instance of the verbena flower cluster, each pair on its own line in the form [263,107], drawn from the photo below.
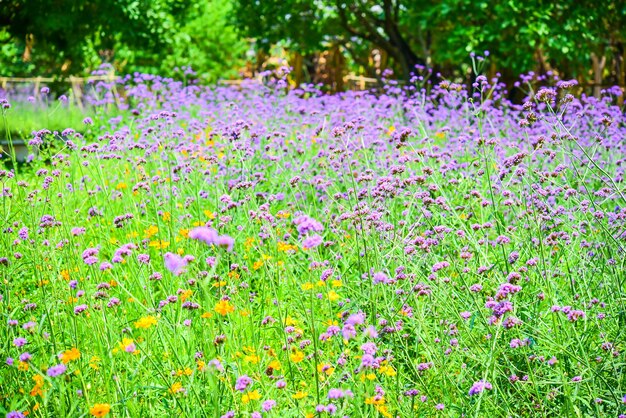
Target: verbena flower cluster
[253,252]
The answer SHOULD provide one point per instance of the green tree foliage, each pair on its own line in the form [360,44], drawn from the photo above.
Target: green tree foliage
[521,36]
[67,33]
[43,37]
[205,41]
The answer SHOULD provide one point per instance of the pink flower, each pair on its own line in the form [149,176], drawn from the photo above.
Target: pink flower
[174,263]
[204,234]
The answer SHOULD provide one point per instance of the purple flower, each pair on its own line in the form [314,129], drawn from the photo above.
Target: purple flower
[174,263]
[268,405]
[356,319]
[205,234]
[380,277]
[335,394]
[217,365]
[25,357]
[57,370]
[369,348]
[480,387]
[312,241]
[88,121]
[29,325]
[225,241]
[80,309]
[15,414]
[305,224]
[242,383]
[20,342]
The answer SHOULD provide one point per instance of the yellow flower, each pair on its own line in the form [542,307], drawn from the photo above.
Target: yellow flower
[151,231]
[251,358]
[333,296]
[325,368]
[37,389]
[299,395]
[176,387]
[383,410]
[223,307]
[166,216]
[159,244]
[146,322]
[206,315]
[93,362]
[307,286]
[209,214]
[128,345]
[100,409]
[70,355]
[297,356]
[251,396]
[387,370]
[185,294]
[186,372]
[275,365]
[284,247]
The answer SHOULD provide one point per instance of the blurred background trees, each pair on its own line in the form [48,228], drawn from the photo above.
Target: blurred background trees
[323,40]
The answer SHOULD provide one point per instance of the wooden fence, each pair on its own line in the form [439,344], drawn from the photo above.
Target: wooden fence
[76,82]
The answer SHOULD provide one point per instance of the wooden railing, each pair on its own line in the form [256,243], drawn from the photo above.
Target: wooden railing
[76,82]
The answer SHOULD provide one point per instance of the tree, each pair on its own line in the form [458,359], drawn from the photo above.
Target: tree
[521,36]
[66,34]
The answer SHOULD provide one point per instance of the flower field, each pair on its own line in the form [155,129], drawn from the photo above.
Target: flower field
[257,252]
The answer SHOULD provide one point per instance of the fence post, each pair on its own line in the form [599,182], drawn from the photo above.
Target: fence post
[76,92]
[37,83]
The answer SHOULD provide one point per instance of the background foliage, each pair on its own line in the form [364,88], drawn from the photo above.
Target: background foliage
[225,39]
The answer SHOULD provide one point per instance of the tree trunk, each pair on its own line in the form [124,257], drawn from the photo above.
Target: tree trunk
[297,64]
[407,59]
[598,68]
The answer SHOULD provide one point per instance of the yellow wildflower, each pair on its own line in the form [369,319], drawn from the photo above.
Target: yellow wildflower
[296,356]
[70,355]
[175,388]
[333,296]
[100,409]
[251,396]
[151,231]
[223,307]
[146,322]
[299,395]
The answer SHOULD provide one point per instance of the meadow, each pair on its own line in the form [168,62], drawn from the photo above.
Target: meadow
[425,251]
